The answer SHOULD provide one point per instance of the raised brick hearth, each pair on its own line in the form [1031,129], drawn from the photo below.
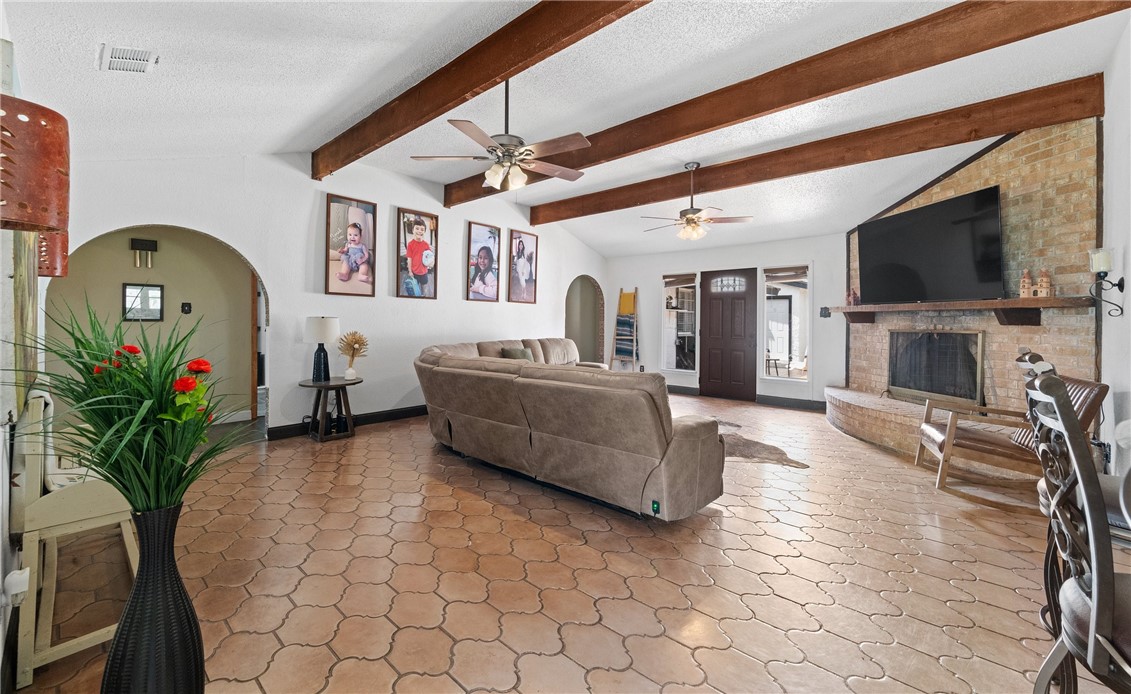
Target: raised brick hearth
[1048,181]
[893,424]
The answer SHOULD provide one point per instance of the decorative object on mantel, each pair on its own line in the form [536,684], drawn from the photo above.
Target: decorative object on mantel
[1026,288]
[852,298]
[1099,261]
[144,412]
[1043,288]
[320,330]
[352,345]
[1044,284]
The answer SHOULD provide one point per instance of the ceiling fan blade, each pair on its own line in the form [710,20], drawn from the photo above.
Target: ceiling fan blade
[728,220]
[544,167]
[665,226]
[453,158]
[669,219]
[474,132]
[565,143]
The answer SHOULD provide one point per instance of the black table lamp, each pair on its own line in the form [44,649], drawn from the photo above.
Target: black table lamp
[320,330]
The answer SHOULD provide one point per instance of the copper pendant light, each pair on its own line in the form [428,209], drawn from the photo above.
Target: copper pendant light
[35,187]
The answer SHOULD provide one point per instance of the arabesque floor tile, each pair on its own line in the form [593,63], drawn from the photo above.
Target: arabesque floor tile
[387,562]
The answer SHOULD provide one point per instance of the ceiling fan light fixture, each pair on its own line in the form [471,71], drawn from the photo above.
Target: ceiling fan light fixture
[494,176]
[692,232]
[516,178]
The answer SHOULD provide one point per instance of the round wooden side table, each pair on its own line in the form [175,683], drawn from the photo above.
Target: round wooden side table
[319,421]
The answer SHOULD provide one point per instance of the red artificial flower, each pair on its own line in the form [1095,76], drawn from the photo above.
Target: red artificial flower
[117,364]
[184,384]
[201,409]
[199,366]
[98,369]
[132,349]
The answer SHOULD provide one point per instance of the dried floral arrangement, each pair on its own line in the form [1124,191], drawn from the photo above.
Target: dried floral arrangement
[353,345]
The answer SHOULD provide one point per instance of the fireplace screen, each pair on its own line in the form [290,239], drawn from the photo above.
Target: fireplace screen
[926,364]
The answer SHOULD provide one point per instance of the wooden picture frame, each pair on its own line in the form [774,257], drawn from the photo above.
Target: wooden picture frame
[418,235]
[522,282]
[143,302]
[483,242]
[350,233]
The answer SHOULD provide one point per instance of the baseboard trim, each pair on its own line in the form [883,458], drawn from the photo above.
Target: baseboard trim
[792,403]
[682,390]
[287,431]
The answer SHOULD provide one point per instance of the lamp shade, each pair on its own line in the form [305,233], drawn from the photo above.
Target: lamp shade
[37,162]
[321,329]
[1099,260]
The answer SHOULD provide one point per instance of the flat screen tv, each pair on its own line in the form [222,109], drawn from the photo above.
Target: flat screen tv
[948,251]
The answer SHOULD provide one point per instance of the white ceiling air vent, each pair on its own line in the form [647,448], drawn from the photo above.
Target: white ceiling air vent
[118,59]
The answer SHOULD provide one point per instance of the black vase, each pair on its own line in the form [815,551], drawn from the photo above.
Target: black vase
[157,647]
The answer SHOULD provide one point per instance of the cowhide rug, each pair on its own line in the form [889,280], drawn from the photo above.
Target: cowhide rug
[740,449]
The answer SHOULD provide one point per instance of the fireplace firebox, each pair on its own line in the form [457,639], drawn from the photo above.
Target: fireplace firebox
[938,365]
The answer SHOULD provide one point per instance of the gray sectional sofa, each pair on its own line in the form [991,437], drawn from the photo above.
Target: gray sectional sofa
[608,435]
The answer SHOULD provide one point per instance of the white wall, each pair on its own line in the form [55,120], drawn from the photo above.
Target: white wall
[269,210]
[1115,348]
[825,256]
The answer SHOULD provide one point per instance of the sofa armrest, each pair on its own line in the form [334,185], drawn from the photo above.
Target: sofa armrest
[690,476]
[693,426]
[593,365]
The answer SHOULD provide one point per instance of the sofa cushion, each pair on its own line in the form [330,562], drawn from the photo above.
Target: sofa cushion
[559,350]
[651,384]
[431,355]
[494,348]
[499,366]
[517,353]
[535,348]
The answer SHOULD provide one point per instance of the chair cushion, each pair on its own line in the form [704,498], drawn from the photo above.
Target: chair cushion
[1109,487]
[1086,396]
[985,442]
[1076,612]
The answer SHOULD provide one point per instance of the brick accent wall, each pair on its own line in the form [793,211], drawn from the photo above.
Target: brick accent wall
[1048,208]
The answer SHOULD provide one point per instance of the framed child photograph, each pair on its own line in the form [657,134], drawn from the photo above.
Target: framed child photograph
[482,262]
[349,246]
[417,234]
[523,285]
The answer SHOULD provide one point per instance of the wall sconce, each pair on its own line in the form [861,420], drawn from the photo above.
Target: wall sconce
[1099,260]
[320,330]
[147,246]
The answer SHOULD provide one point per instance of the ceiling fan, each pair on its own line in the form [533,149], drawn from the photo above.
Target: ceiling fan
[694,220]
[511,154]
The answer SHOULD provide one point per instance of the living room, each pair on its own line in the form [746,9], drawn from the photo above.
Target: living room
[195,152]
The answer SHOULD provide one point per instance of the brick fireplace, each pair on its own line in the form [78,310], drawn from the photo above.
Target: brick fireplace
[1049,192]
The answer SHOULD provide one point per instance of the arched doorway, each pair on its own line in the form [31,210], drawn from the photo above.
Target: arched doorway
[200,279]
[585,318]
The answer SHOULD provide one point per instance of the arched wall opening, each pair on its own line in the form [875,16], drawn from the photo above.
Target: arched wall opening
[201,279]
[585,318]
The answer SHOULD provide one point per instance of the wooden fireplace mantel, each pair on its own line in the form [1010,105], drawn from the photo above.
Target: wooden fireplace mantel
[1008,311]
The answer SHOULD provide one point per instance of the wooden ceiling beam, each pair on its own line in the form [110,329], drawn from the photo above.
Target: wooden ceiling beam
[951,33]
[1058,103]
[540,32]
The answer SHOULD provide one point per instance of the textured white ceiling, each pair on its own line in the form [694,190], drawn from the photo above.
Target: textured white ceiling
[263,77]
[234,78]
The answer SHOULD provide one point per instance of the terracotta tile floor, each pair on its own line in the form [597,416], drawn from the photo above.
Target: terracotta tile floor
[387,562]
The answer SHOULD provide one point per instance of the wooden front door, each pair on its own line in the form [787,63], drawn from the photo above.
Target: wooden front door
[729,345]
